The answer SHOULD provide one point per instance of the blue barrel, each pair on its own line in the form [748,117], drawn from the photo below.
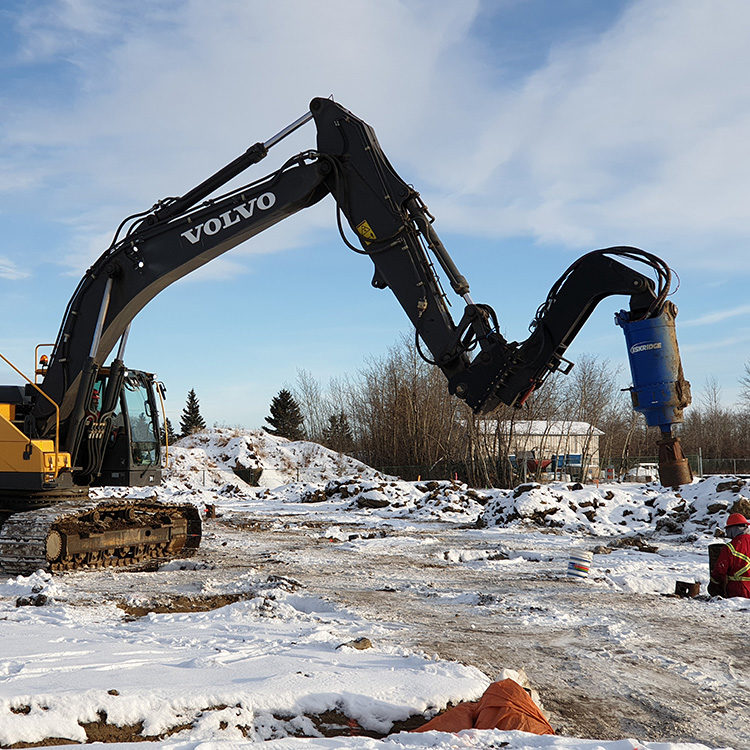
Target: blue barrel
[660,391]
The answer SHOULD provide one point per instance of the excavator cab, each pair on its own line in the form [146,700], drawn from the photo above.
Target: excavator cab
[132,454]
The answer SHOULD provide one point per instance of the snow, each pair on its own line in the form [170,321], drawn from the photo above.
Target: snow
[220,451]
[536,427]
[262,656]
[466,740]
[279,653]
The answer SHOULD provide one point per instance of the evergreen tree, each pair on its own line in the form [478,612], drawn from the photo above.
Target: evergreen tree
[286,417]
[191,420]
[168,435]
[338,434]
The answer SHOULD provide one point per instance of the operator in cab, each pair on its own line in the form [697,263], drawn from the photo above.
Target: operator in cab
[731,573]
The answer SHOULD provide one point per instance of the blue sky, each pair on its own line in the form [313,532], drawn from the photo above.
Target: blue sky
[535,131]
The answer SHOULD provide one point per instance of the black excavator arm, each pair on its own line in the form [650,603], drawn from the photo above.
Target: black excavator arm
[393,227]
[151,256]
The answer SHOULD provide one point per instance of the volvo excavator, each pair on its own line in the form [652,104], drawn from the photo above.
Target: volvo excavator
[86,423]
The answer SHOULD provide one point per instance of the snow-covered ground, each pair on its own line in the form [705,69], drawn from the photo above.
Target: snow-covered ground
[259,639]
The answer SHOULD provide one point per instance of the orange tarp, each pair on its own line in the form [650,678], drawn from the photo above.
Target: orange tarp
[504,705]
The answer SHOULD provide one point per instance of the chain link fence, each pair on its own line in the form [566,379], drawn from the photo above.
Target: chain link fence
[503,473]
[461,471]
[699,465]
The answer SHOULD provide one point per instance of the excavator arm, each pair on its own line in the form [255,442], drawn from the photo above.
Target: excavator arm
[393,227]
[396,230]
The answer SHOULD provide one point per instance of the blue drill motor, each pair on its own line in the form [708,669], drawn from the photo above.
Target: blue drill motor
[659,391]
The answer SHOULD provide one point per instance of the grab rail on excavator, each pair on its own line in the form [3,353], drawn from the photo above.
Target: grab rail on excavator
[55,468]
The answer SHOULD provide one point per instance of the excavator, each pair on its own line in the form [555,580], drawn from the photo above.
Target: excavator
[88,423]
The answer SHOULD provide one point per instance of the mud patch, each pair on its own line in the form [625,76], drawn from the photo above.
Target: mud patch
[181,603]
[338,724]
[102,731]
[333,723]
[253,524]
[584,716]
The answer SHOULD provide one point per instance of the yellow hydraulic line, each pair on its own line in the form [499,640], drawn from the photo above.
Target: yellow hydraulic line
[166,431]
[57,408]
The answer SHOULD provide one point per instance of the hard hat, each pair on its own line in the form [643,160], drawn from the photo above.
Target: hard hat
[737,519]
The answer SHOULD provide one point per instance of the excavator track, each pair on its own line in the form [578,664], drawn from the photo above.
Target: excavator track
[74,535]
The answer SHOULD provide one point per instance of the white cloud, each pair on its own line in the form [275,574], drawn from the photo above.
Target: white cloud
[9,270]
[729,343]
[20,178]
[57,27]
[163,105]
[717,316]
[638,136]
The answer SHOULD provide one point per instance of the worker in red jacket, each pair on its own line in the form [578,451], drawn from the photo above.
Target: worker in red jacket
[732,570]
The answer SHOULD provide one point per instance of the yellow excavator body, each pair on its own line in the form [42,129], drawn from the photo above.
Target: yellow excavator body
[21,455]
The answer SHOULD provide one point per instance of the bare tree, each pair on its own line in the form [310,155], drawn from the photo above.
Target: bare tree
[713,420]
[313,403]
[745,387]
[589,394]
[403,419]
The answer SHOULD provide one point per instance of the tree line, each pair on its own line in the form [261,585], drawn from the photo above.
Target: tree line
[396,414]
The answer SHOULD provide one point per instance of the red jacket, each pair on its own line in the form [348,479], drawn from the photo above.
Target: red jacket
[733,567]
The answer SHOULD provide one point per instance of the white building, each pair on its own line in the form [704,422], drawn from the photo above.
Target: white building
[562,446]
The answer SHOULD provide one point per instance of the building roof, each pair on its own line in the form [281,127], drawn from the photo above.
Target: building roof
[542,427]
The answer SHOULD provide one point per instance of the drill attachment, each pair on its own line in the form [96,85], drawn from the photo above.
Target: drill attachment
[660,391]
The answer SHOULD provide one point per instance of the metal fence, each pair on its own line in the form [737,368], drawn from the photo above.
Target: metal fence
[502,473]
[724,466]
[700,465]
[459,470]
